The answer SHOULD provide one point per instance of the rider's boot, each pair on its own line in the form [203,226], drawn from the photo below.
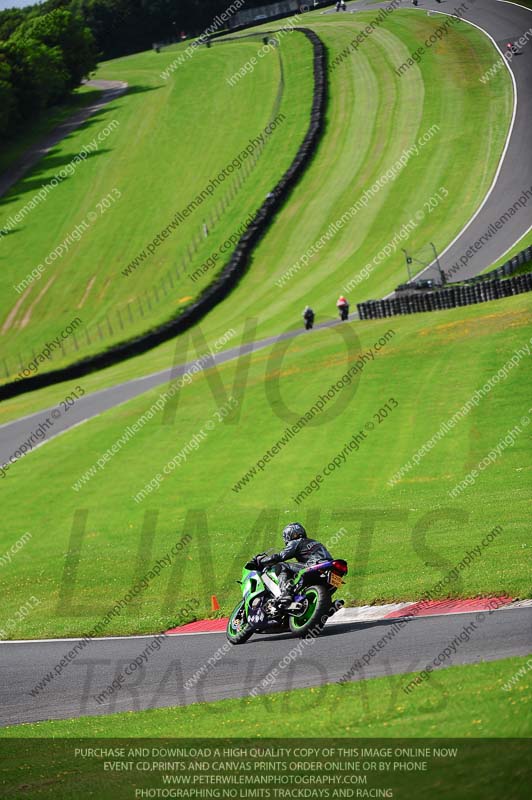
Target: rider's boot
[287,590]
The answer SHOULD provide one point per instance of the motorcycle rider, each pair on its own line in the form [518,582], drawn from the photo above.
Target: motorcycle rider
[297,545]
[343,307]
[308,316]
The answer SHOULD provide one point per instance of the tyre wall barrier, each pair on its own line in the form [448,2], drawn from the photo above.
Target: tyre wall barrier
[451,297]
[218,290]
[508,268]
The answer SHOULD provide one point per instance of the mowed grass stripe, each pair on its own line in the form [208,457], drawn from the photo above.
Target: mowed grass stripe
[431,367]
[449,97]
[173,138]
[366,96]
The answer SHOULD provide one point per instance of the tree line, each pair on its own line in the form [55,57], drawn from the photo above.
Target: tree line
[48,48]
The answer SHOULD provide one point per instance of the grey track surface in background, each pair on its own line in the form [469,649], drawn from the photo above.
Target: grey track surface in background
[13,434]
[160,683]
[505,22]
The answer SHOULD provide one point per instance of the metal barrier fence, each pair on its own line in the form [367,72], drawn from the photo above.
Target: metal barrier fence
[508,268]
[450,297]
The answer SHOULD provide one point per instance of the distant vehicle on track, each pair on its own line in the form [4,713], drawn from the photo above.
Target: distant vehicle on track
[343,308]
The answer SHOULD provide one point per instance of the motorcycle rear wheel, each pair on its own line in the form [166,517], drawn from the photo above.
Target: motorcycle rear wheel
[238,629]
[313,619]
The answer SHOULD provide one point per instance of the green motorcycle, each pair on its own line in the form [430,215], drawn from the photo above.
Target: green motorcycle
[259,611]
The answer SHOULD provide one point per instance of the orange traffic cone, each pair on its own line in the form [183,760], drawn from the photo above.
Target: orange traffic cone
[215,605]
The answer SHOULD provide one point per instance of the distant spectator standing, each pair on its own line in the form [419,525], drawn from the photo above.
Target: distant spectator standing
[343,307]
[308,316]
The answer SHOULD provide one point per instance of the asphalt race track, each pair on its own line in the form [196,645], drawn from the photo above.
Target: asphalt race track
[499,634]
[504,22]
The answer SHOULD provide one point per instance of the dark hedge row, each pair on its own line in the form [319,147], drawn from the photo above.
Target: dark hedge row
[230,275]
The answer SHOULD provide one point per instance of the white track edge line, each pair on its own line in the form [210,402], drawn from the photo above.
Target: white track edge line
[504,152]
[207,633]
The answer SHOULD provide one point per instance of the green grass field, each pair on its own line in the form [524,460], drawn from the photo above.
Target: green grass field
[400,539]
[373,117]
[162,143]
[91,540]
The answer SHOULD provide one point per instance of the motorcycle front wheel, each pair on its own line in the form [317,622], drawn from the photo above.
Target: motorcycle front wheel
[238,629]
[315,615]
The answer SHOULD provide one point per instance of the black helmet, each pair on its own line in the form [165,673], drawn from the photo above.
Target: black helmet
[294,531]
